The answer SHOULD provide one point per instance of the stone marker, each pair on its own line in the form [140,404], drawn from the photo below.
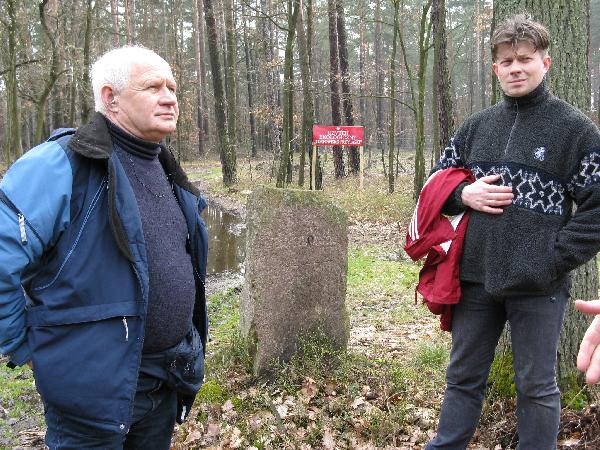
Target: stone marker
[295,280]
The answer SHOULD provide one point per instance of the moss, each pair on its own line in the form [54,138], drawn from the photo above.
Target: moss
[212,393]
[501,383]
[278,199]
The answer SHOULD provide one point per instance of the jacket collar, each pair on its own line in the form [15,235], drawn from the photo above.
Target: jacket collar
[535,97]
[93,141]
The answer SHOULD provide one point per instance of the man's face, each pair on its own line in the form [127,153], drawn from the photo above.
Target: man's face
[148,108]
[520,69]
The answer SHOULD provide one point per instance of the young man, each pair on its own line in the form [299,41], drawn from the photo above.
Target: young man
[532,156]
[102,266]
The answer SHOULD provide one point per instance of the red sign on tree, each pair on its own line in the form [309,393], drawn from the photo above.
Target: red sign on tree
[338,135]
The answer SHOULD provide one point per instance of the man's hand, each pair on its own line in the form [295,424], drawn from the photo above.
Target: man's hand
[588,359]
[485,196]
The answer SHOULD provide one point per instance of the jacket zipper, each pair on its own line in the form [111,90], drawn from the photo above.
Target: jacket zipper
[72,249]
[21,219]
[126,328]
[512,129]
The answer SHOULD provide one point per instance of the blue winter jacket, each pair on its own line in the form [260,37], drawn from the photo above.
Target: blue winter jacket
[74,273]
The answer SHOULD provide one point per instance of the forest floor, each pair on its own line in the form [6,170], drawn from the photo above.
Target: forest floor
[384,392]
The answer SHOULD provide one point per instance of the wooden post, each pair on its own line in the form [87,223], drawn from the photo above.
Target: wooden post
[313,175]
[361,153]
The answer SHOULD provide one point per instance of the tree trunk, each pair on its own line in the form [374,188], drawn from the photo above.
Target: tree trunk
[86,89]
[334,84]
[249,86]
[418,95]
[362,57]
[308,113]
[392,135]
[442,87]
[471,75]
[314,98]
[424,38]
[482,58]
[288,95]
[114,14]
[598,96]
[53,75]
[568,79]
[130,20]
[13,147]
[272,85]
[379,82]
[354,163]
[230,75]
[228,162]
[197,17]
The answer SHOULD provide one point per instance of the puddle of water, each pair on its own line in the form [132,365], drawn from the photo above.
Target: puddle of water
[227,241]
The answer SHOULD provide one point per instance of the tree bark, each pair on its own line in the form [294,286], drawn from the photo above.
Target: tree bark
[482,57]
[362,60]
[334,85]
[228,160]
[443,98]
[202,116]
[354,163]
[130,20]
[249,85]
[308,112]
[114,14]
[288,99]
[230,74]
[379,83]
[86,88]
[392,135]
[13,147]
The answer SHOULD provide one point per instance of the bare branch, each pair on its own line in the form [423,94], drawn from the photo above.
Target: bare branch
[262,15]
[24,63]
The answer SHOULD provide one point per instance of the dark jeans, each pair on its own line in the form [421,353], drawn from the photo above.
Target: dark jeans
[477,322]
[153,420]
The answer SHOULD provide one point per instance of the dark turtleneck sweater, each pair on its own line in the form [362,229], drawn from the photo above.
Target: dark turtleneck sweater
[549,153]
[172,288]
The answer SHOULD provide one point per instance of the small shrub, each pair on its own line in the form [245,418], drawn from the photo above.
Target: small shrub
[573,395]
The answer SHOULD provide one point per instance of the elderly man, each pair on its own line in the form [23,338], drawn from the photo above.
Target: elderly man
[102,266]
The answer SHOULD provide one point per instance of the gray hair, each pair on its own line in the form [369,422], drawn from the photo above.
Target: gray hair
[114,68]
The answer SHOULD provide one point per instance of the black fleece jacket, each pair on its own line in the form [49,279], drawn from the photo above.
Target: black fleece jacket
[549,153]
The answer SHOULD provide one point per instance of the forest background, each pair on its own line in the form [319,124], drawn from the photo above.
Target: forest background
[253,76]
[247,68]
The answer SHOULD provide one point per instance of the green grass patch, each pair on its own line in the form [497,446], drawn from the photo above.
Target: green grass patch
[370,275]
[17,391]
[223,313]
[431,357]
[18,399]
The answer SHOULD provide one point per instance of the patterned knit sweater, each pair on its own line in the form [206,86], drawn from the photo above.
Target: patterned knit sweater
[549,153]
